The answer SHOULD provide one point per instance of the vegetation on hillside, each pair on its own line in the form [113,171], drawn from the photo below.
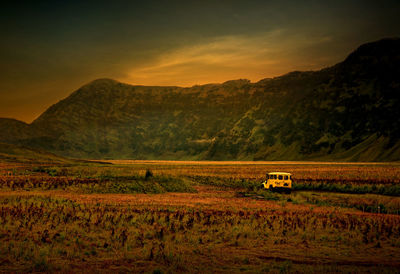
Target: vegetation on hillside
[346,112]
[20,154]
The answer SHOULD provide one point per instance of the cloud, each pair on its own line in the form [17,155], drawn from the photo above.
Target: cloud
[230,57]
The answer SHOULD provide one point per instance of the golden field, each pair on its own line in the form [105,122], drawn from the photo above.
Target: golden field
[173,216]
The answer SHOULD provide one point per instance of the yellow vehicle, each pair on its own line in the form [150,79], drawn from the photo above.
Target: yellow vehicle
[279,181]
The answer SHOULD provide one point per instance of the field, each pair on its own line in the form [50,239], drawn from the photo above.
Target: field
[198,217]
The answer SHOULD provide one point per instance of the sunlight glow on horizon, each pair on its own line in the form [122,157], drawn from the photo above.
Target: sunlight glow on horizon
[226,58]
[50,49]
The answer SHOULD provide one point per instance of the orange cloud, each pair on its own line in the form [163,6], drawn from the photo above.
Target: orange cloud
[230,57]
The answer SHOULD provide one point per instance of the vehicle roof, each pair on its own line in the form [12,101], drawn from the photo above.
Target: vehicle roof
[279,173]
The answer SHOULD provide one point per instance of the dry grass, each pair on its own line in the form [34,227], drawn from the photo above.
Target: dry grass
[58,228]
[257,170]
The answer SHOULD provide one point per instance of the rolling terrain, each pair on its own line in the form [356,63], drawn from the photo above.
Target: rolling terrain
[18,154]
[347,112]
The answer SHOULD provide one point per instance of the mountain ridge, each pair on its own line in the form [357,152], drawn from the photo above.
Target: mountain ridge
[344,112]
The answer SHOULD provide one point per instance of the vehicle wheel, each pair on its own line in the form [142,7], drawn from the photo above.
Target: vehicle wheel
[271,188]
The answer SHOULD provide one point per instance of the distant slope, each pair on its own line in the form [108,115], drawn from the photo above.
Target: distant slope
[349,111]
[11,130]
[18,154]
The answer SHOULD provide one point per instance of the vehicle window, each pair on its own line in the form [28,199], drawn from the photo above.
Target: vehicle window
[280,177]
[286,177]
[275,177]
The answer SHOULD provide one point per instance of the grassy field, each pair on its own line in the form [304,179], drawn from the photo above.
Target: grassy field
[172,216]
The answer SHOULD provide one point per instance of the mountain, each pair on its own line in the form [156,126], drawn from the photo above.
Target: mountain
[19,154]
[349,111]
[10,129]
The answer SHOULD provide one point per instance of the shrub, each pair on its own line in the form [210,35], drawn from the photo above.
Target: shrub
[148,174]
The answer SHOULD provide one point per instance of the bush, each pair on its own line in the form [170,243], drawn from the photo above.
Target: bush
[148,174]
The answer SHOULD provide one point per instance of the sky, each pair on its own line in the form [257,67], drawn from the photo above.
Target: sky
[49,49]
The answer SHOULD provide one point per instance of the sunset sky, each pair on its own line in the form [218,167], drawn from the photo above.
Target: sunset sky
[49,49]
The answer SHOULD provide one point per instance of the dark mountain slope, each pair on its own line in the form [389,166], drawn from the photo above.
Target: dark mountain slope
[119,120]
[12,130]
[19,154]
[346,112]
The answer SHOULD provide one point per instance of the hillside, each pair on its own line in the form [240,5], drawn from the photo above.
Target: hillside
[349,111]
[18,154]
